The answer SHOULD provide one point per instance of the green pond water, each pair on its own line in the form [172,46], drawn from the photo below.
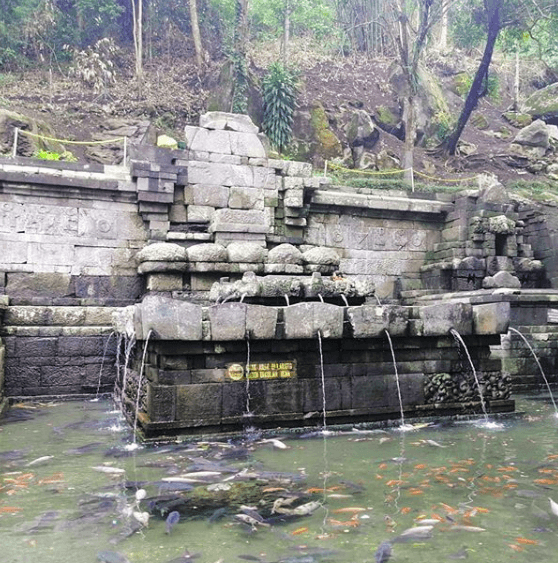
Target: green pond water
[485,490]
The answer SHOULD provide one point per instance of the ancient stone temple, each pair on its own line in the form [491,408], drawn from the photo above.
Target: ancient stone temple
[214,287]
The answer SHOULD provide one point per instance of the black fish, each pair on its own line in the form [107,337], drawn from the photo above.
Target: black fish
[217,515]
[171,521]
[88,448]
[186,557]
[461,554]
[383,553]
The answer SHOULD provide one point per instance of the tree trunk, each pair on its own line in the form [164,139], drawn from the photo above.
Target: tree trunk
[443,38]
[494,26]
[196,35]
[137,14]
[241,26]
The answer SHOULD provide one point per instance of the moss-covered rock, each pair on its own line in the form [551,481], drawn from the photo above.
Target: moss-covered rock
[327,145]
[479,121]
[517,119]
[543,104]
[27,145]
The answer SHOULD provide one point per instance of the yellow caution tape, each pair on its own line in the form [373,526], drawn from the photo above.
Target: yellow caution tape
[380,173]
[66,141]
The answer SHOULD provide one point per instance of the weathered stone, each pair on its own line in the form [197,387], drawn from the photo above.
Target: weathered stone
[245,198]
[249,252]
[228,321]
[199,405]
[369,321]
[38,284]
[306,320]
[261,322]
[199,213]
[321,255]
[210,196]
[543,104]
[285,254]
[207,252]
[491,318]
[228,121]
[162,252]
[534,135]
[501,279]
[440,318]
[164,282]
[159,267]
[239,220]
[170,319]
[501,225]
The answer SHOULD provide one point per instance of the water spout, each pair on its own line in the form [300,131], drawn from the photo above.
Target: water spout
[287,299]
[540,368]
[128,347]
[242,297]
[138,394]
[344,297]
[323,382]
[396,379]
[101,368]
[321,298]
[248,412]
[460,341]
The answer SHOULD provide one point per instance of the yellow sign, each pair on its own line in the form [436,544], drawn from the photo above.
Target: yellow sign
[266,370]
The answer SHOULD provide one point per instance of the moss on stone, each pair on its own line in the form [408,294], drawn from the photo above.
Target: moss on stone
[385,116]
[328,145]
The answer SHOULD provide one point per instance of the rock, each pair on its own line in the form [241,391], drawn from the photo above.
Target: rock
[207,252]
[440,318]
[387,160]
[531,153]
[389,119]
[479,121]
[495,193]
[517,119]
[491,318]
[321,255]
[465,148]
[326,144]
[228,122]
[501,279]
[166,142]
[162,252]
[246,252]
[501,225]
[543,104]
[534,135]
[285,254]
[361,131]
[27,145]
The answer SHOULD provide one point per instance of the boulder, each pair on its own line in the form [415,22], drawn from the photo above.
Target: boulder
[321,255]
[27,145]
[543,104]
[362,134]
[326,145]
[246,252]
[534,135]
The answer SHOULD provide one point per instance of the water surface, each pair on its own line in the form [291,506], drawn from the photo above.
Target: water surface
[484,491]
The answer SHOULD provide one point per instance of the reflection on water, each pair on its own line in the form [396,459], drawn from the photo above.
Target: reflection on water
[69,492]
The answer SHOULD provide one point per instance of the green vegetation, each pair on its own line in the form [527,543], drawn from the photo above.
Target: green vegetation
[51,155]
[279,96]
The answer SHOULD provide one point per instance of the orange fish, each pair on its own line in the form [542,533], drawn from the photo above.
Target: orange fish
[393,482]
[526,541]
[273,489]
[481,510]
[515,547]
[382,466]
[349,509]
[449,509]
[406,510]
[546,481]
[352,523]
[379,476]
[415,492]
[552,456]
[420,466]
[299,531]
[508,468]
[10,509]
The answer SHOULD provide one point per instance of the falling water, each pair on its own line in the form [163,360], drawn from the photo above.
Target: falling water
[344,297]
[321,298]
[323,381]
[129,344]
[540,368]
[396,378]
[138,394]
[287,299]
[248,412]
[460,340]
[242,297]
[102,365]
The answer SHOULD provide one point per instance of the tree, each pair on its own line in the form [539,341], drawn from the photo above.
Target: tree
[196,35]
[410,44]
[137,16]
[497,15]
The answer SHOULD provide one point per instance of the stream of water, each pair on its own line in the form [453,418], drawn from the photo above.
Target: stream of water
[68,486]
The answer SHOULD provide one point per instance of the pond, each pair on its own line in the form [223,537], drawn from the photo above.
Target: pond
[73,488]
